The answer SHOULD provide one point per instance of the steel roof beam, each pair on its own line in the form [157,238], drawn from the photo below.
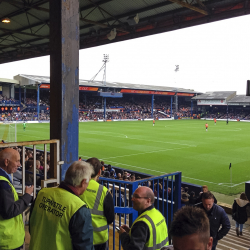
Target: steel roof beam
[131,13]
[92,5]
[8,32]
[23,5]
[101,24]
[189,6]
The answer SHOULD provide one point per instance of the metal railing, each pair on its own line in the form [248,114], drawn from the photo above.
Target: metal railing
[167,189]
[55,179]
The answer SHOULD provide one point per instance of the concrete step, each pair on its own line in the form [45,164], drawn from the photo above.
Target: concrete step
[233,242]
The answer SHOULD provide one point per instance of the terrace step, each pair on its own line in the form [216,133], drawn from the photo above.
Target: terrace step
[233,242]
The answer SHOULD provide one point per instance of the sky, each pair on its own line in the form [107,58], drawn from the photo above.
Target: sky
[211,57]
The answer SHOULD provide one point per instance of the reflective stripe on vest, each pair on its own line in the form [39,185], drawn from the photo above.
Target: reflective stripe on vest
[97,202]
[155,246]
[12,231]
[50,219]
[154,219]
[94,196]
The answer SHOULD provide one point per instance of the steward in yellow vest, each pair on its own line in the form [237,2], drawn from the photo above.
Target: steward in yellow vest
[100,203]
[149,230]
[59,219]
[11,207]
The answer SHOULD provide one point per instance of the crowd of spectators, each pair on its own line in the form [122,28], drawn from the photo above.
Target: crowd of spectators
[129,108]
[139,108]
[237,115]
[25,116]
[29,169]
[5,100]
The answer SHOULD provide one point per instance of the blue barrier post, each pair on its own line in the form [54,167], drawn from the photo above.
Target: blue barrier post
[104,108]
[152,107]
[38,101]
[191,108]
[171,106]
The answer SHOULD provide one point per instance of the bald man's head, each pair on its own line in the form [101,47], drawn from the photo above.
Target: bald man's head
[143,198]
[9,160]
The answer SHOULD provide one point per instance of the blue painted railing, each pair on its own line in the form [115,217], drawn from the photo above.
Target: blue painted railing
[166,201]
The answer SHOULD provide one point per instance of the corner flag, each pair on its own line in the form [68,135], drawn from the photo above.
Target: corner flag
[230,166]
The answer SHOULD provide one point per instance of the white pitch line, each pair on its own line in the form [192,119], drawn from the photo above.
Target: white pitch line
[164,172]
[139,139]
[149,152]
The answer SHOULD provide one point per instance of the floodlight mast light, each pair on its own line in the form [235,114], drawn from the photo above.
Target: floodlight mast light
[105,60]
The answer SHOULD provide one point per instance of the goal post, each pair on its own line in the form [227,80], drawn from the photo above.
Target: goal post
[8,132]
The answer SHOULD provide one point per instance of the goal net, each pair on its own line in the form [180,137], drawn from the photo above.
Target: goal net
[8,132]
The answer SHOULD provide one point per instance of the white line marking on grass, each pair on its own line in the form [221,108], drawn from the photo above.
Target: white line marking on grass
[135,166]
[219,184]
[139,139]
[238,184]
[152,170]
[149,152]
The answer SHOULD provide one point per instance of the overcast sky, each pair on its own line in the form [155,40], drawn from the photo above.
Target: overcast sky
[211,57]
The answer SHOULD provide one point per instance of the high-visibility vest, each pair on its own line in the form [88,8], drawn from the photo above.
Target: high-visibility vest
[94,196]
[12,231]
[158,232]
[50,218]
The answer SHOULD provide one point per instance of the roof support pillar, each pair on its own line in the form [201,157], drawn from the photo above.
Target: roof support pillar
[38,101]
[171,106]
[176,103]
[104,108]
[64,80]
[20,93]
[191,108]
[24,95]
[152,107]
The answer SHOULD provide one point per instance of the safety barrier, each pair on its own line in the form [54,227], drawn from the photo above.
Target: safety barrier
[55,179]
[167,189]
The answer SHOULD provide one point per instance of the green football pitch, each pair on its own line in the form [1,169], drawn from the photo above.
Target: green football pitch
[179,145]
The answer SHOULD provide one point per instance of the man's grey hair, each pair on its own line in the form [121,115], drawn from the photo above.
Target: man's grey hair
[78,171]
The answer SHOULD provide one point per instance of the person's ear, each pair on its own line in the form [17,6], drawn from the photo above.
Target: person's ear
[210,243]
[100,172]
[83,182]
[6,162]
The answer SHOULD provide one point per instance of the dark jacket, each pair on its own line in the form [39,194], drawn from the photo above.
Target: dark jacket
[217,217]
[80,225]
[240,207]
[10,208]
[139,235]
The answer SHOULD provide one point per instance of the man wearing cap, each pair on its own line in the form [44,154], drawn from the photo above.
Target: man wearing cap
[100,203]
[12,231]
[59,219]
[149,230]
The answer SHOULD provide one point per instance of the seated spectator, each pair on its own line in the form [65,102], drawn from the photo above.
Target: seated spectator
[103,167]
[192,198]
[133,177]
[184,198]
[119,176]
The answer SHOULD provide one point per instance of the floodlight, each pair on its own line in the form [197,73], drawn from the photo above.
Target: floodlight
[112,34]
[5,20]
[136,18]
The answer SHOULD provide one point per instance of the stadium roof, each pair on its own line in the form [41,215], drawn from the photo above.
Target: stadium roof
[216,95]
[239,100]
[7,81]
[27,34]
[25,80]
